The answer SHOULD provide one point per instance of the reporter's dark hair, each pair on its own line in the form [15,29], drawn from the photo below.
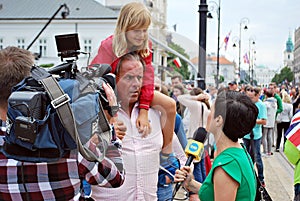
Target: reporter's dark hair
[239,113]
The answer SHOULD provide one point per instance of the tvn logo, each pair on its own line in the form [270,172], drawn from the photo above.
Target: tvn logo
[193,147]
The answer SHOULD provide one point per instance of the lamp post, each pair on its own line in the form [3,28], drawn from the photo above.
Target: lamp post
[202,44]
[243,23]
[217,7]
[64,14]
[251,58]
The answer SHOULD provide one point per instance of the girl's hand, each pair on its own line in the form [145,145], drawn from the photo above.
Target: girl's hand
[142,123]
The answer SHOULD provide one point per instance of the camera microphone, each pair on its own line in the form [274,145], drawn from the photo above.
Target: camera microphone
[194,150]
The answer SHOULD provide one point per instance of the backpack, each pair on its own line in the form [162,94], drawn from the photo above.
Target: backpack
[48,118]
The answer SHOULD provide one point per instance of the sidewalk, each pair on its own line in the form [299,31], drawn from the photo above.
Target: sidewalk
[279,177]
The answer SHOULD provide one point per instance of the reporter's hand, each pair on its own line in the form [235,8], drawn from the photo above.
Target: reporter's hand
[184,175]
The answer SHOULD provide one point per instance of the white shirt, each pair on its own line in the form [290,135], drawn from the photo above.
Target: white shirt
[141,161]
[195,108]
[271,104]
[286,114]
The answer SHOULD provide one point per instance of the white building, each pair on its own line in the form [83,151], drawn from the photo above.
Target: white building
[93,22]
[263,75]
[226,69]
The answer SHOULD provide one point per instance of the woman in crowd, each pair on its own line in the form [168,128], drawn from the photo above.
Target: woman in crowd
[233,115]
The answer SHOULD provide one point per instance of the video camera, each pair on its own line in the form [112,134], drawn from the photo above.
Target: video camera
[32,104]
[68,48]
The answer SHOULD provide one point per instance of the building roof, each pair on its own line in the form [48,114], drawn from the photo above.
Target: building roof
[222,60]
[45,9]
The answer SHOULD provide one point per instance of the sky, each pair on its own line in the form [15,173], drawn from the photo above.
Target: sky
[270,24]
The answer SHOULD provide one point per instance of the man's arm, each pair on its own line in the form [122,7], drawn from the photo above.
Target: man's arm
[109,173]
[279,104]
[261,121]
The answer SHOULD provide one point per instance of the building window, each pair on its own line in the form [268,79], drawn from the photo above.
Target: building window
[43,47]
[87,45]
[289,56]
[1,43]
[21,43]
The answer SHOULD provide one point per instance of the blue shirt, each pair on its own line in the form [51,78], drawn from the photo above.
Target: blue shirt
[262,114]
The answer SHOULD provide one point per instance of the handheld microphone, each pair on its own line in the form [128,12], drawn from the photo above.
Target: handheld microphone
[193,150]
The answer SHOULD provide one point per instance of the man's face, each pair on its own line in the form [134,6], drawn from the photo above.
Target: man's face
[175,81]
[271,89]
[129,82]
[232,87]
[250,93]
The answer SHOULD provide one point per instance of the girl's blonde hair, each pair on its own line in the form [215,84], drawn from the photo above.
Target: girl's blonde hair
[132,16]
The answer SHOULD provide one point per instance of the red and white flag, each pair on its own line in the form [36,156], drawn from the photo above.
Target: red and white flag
[246,58]
[226,40]
[177,62]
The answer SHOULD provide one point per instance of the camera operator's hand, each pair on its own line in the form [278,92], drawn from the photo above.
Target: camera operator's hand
[113,107]
[120,129]
[110,94]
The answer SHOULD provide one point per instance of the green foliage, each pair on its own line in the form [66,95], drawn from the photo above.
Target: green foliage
[285,74]
[183,70]
[221,79]
[46,65]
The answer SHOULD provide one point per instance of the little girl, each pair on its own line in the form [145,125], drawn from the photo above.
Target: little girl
[131,34]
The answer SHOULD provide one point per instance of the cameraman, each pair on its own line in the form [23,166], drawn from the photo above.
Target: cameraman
[57,181]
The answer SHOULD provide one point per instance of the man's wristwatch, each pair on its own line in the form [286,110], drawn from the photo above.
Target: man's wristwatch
[112,110]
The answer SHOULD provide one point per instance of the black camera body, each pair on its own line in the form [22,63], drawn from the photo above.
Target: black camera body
[68,48]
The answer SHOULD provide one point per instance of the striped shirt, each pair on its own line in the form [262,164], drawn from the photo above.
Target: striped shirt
[60,180]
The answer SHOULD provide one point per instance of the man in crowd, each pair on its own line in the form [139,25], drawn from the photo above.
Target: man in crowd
[142,155]
[232,86]
[55,181]
[252,141]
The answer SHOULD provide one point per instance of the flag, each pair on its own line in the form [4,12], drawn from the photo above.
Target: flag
[293,133]
[246,59]
[226,39]
[177,62]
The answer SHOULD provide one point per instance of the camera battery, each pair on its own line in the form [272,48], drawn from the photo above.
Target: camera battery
[29,103]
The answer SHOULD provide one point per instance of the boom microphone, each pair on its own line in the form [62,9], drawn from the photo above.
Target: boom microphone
[193,150]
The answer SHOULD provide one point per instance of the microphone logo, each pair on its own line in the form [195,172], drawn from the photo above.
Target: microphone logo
[195,149]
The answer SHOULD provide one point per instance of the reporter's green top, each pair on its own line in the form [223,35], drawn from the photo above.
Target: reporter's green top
[239,166]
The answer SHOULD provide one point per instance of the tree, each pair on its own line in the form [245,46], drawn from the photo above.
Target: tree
[285,75]
[183,70]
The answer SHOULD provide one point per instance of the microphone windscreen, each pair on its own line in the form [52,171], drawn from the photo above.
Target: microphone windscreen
[200,134]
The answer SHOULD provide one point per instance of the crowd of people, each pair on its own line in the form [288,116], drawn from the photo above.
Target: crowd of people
[153,124]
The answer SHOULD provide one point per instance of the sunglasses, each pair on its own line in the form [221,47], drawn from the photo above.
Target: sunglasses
[251,90]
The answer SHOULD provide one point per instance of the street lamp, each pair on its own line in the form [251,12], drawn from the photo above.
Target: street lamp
[251,58]
[202,44]
[217,8]
[243,23]
[64,14]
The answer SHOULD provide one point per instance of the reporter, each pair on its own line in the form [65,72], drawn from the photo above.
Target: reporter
[232,176]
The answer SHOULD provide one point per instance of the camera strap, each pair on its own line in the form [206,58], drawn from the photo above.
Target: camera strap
[60,101]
